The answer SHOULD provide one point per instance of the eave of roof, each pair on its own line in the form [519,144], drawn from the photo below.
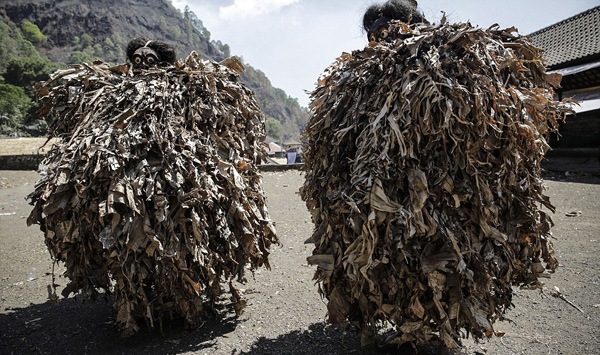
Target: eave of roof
[572,41]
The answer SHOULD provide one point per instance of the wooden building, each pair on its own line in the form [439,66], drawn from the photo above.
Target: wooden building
[572,48]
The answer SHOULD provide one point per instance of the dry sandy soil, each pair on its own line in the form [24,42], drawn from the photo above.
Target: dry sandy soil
[285,314]
[19,146]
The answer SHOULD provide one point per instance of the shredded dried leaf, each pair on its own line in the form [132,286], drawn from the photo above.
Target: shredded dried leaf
[422,164]
[153,192]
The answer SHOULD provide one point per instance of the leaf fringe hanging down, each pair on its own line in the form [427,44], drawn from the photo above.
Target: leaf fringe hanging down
[423,180]
[153,192]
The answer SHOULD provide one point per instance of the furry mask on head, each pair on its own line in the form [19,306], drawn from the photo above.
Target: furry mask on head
[378,16]
[144,53]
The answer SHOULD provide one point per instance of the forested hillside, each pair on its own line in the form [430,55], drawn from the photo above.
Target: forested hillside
[38,36]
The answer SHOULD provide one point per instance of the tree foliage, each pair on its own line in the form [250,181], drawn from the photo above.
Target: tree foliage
[32,33]
[86,40]
[191,18]
[184,29]
[13,44]
[24,72]
[14,105]
[277,105]
[174,31]
[273,128]
[223,47]
[77,57]
[21,65]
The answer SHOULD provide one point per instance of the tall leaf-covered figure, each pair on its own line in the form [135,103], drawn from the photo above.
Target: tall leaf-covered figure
[153,192]
[423,177]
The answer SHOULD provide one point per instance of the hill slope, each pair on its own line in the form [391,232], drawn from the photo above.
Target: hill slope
[85,30]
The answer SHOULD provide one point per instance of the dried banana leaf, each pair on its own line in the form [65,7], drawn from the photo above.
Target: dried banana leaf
[422,163]
[153,192]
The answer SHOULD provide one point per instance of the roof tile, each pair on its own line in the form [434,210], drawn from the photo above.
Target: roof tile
[570,40]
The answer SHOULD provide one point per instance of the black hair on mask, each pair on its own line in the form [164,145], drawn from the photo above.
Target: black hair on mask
[402,10]
[165,50]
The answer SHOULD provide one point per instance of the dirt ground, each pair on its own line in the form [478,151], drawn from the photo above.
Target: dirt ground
[19,146]
[285,314]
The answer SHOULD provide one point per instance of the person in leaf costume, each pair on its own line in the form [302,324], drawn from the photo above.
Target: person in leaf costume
[153,192]
[423,178]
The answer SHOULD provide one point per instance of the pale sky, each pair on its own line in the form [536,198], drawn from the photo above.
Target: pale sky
[293,41]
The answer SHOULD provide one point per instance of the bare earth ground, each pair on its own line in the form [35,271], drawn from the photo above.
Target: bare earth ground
[285,314]
[19,146]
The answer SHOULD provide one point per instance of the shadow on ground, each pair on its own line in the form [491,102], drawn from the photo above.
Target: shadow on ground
[72,326]
[320,339]
[574,177]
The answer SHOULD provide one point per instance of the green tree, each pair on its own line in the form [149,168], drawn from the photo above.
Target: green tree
[224,48]
[24,72]
[117,40]
[175,31]
[13,44]
[162,23]
[86,40]
[273,128]
[197,24]
[78,57]
[98,51]
[32,33]
[206,34]
[108,44]
[89,50]
[13,107]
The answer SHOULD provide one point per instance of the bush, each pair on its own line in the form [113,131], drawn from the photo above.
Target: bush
[24,72]
[32,33]
[175,31]
[78,57]
[86,40]
[273,128]
[13,107]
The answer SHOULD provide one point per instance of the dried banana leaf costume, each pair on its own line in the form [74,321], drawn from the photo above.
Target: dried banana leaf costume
[423,180]
[153,193]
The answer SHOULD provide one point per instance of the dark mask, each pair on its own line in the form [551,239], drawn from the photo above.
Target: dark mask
[379,29]
[380,32]
[145,57]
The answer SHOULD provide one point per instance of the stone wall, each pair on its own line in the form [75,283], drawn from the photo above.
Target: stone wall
[32,161]
[20,162]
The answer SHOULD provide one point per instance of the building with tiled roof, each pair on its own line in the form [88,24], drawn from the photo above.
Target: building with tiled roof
[572,48]
[573,41]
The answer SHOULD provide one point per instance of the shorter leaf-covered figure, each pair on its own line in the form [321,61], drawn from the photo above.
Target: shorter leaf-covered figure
[153,192]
